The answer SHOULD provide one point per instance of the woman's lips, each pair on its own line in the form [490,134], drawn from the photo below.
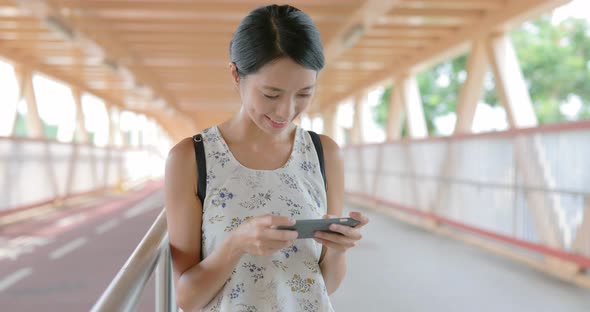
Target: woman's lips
[275,124]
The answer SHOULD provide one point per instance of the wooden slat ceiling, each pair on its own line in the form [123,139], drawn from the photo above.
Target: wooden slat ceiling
[169,58]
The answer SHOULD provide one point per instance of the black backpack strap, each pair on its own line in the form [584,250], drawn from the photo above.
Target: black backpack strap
[318,148]
[201,167]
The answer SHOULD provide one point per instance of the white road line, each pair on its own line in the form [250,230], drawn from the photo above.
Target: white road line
[69,220]
[106,226]
[14,278]
[139,209]
[60,252]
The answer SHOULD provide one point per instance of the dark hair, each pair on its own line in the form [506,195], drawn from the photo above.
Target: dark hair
[274,31]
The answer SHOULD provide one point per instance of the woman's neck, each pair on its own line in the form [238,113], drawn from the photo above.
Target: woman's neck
[242,129]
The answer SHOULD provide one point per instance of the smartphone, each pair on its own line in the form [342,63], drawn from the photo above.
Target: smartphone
[306,228]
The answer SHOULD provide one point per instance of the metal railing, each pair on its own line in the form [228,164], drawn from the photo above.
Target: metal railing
[526,186]
[152,254]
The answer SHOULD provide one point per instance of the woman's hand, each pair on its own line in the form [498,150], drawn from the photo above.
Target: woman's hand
[259,236]
[349,237]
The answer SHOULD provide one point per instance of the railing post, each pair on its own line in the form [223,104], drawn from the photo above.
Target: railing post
[164,283]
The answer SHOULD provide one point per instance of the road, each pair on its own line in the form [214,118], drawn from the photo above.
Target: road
[64,260]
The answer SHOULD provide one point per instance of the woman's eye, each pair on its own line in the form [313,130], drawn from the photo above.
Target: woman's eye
[272,97]
[304,95]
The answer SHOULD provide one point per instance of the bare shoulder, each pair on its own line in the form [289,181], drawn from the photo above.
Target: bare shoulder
[330,148]
[181,152]
[181,166]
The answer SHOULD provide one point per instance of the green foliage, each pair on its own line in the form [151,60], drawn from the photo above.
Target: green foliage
[50,131]
[380,111]
[20,127]
[555,61]
[438,99]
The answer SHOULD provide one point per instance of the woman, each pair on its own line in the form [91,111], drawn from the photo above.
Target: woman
[262,171]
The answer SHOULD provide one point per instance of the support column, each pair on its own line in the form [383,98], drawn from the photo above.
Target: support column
[530,160]
[329,117]
[395,114]
[357,126]
[80,134]
[510,84]
[581,243]
[34,123]
[472,88]
[413,107]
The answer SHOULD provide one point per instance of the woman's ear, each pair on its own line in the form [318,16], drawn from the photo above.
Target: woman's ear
[234,73]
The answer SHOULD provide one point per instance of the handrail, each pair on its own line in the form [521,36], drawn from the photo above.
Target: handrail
[124,291]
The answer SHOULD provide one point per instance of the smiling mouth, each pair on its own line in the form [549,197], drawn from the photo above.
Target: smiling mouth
[276,124]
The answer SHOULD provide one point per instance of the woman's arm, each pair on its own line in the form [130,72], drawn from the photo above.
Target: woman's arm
[198,282]
[333,259]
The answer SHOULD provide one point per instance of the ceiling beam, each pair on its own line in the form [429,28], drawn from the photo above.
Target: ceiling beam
[513,13]
[102,40]
[213,8]
[356,26]
[455,4]
[37,66]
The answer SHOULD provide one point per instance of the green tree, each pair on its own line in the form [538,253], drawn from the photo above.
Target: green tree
[555,60]
[438,98]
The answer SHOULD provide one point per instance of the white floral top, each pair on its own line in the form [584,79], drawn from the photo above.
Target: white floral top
[288,280]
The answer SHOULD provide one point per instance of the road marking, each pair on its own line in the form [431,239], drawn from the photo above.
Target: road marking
[140,208]
[106,226]
[69,247]
[69,220]
[12,249]
[14,278]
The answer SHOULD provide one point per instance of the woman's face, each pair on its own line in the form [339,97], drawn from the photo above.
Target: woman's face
[275,95]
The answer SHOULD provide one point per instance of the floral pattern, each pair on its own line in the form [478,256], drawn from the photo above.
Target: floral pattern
[216,219]
[210,176]
[235,222]
[280,265]
[314,194]
[221,197]
[257,200]
[291,278]
[289,181]
[247,308]
[289,251]
[307,306]
[210,136]
[299,284]
[308,167]
[312,266]
[304,148]
[222,157]
[235,292]
[294,208]
[256,271]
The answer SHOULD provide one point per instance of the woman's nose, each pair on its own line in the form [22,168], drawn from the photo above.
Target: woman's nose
[285,110]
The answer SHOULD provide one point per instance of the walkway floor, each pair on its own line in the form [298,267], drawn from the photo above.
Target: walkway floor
[63,261]
[398,267]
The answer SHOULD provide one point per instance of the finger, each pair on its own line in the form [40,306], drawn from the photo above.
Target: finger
[272,220]
[335,238]
[359,217]
[277,245]
[281,235]
[332,245]
[347,231]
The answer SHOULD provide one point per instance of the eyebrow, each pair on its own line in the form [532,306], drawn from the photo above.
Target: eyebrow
[279,89]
